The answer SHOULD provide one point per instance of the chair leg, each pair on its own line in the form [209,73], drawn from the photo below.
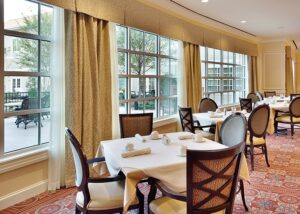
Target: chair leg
[243,194]
[77,211]
[276,127]
[141,200]
[292,129]
[266,155]
[152,193]
[252,156]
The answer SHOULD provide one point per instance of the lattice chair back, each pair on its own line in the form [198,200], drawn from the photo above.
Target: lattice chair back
[212,179]
[246,103]
[131,124]
[186,119]
[233,130]
[207,104]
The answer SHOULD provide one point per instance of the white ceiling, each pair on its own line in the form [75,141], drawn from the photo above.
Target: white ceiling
[267,19]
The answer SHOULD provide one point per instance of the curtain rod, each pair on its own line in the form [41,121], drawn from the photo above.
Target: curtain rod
[215,20]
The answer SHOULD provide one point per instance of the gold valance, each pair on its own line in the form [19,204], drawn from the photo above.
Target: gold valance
[136,14]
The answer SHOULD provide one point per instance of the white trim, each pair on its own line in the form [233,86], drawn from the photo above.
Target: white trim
[23,194]
[165,121]
[25,159]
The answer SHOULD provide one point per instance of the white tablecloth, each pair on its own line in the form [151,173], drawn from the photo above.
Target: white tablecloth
[206,119]
[163,163]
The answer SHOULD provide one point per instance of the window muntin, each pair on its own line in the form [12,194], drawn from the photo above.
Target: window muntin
[148,70]
[224,75]
[27,43]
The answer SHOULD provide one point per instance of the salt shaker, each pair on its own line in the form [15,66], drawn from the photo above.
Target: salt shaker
[165,139]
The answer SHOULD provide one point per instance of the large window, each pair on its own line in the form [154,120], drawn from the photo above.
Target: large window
[25,74]
[224,75]
[148,70]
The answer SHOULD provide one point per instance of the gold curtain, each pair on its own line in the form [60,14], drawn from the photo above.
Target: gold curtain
[289,85]
[88,84]
[193,75]
[253,83]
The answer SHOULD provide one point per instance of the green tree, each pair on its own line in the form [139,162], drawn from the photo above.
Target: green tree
[140,64]
[28,54]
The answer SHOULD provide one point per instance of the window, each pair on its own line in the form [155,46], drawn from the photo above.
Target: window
[148,70]
[224,75]
[27,32]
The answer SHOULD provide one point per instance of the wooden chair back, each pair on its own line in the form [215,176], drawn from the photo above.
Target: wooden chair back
[295,107]
[186,119]
[246,103]
[212,179]
[207,104]
[258,121]
[270,93]
[81,166]
[131,124]
[253,97]
[292,96]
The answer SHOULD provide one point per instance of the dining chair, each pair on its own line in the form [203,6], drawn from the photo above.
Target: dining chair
[246,103]
[233,131]
[292,117]
[253,97]
[260,96]
[207,104]
[292,96]
[257,126]
[98,194]
[211,183]
[270,93]
[188,124]
[131,124]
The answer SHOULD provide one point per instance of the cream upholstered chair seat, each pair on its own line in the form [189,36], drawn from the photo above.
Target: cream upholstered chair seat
[287,119]
[104,196]
[166,205]
[256,140]
[207,135]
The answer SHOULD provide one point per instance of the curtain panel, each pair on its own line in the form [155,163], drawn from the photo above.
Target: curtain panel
[193,75]
[88,84]
[289,84]
[253,75]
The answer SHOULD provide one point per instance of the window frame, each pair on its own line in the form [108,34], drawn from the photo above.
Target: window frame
[13,73]
[128,75]
[221,77]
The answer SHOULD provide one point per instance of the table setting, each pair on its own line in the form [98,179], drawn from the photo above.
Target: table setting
[162,156]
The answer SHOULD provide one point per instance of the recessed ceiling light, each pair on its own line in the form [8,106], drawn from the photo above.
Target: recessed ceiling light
[204,1]
[243,21]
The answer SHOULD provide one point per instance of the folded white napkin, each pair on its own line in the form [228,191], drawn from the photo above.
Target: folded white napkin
[139,138]
[136,152]
[186,136]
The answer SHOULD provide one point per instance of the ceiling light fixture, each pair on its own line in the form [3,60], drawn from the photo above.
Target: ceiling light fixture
[243,21]
[204,1]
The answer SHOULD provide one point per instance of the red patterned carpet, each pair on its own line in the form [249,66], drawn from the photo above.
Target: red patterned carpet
[272,190]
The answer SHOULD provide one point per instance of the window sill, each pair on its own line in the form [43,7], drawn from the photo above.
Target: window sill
[165,121]
[23,159]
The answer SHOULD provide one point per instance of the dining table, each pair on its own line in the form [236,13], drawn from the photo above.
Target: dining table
[217,118]
[164,162]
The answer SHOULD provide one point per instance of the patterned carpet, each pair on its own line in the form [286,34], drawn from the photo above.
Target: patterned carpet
[271,190]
